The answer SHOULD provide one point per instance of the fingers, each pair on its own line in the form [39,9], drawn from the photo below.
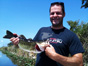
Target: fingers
[47,45]
[14,40]
[50,45]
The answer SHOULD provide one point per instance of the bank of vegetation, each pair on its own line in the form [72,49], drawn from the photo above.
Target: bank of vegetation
[18,56]
[81,29]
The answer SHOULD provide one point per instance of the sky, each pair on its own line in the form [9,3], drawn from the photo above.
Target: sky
[28,16]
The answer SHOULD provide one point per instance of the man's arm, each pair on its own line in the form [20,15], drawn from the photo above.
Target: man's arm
[75,60]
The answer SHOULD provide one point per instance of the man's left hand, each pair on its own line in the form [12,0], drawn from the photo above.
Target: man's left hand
[50,52]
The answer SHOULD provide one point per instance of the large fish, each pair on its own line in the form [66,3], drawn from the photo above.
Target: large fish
[28,44]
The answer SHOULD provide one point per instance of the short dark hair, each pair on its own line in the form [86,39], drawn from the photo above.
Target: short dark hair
[58,3]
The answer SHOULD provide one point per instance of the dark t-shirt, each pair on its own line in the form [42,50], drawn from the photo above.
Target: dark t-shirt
[64,41]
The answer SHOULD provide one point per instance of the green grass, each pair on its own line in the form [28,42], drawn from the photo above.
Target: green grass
[18,60]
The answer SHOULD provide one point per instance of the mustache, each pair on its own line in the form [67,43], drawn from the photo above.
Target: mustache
[55,18]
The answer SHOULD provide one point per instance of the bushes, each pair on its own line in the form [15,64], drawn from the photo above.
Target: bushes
[19,60]
[82,31]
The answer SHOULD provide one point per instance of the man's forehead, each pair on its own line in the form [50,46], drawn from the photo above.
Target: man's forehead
[56,7]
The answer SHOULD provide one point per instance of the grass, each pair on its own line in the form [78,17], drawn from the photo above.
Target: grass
[20,60]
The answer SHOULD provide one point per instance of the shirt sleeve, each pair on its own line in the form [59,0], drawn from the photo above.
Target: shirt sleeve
[75,45]
[36,38]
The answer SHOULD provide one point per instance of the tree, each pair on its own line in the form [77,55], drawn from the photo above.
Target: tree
[82,32]
[84,4]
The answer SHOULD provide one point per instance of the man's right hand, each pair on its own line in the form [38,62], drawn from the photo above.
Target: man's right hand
[14,40]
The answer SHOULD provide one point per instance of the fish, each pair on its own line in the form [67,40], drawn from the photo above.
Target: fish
[28,45]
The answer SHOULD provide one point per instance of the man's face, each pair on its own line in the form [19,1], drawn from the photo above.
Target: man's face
[56,15]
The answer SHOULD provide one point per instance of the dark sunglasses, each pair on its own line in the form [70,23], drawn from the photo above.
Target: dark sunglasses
[57,3]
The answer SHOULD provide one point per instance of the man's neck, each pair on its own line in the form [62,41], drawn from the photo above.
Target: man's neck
[60,27]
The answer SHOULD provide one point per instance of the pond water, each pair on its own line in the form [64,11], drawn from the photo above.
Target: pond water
[5,61]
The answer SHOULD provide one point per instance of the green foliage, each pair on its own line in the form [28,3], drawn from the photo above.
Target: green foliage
[18,56]
[10,44]
[82,31]
[84,4]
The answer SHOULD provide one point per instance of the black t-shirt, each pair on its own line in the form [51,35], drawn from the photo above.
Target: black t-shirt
[64,41]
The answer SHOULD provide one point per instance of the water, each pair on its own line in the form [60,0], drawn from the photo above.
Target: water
[5,61]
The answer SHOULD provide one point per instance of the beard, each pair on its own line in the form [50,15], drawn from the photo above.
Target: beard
[57,24]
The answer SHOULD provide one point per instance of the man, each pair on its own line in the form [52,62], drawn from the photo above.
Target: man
[62,41]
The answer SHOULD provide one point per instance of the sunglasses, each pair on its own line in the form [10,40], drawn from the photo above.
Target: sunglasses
[57,3]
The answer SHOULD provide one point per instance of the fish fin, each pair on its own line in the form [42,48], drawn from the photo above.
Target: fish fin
[8,35]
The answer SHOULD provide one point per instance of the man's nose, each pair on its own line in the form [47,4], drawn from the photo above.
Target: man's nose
[55,15]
